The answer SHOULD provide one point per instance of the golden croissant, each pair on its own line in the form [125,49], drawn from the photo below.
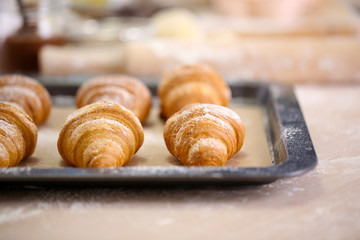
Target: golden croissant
[18,135]
[204,134]
[191,84]
[27,94]
[125,90]
[101,134]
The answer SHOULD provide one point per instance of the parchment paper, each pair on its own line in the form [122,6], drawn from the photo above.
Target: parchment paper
[255,152]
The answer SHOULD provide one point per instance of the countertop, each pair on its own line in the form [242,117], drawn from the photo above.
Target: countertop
[321,204]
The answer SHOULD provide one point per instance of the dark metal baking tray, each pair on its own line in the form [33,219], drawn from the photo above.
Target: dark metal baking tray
[288,139]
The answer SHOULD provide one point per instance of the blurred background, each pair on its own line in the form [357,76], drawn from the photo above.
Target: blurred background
[296,41]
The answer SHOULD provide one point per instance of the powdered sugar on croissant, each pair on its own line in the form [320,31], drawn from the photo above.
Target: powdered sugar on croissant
[18,135]
[125,90]
[101,134]
[26,93]
[204,135]
[191,84]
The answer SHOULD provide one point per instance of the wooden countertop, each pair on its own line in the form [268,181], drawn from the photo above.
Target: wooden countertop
[322,204]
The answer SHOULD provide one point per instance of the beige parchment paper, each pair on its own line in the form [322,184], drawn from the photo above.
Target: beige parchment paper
[255,152]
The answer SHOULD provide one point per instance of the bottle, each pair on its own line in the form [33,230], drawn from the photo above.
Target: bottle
[41,23]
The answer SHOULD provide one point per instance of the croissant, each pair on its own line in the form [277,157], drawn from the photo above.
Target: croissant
[28,94]
[204,134]
[191,84]
[125,90]
[18,135]
[101,134]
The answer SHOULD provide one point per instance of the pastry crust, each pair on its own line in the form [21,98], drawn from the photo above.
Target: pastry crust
[191,84]
[18,135]
[204,135]
[125,90]
[27,93]
[101,134]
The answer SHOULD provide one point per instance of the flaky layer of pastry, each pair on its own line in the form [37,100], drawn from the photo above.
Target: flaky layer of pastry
[18,135]
[191,84]
[204,135]
[101,134]
[27,93]
[125,90]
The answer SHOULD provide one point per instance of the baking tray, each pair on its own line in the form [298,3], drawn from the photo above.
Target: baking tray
[287,142]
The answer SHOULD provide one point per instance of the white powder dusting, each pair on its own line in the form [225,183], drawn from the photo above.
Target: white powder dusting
[10,214]
[16,170]
[23,96]
[103,123]
[13,140]
[109,125]
[291,133]
[7,129]
[222,119]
